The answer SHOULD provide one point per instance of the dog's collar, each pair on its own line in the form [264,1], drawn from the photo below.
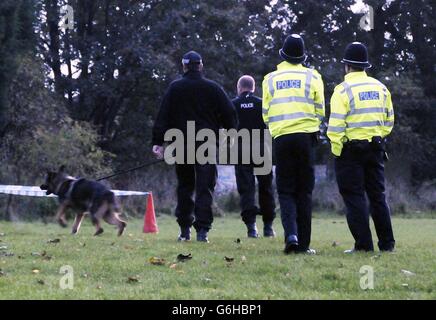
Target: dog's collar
[71,183]
[70,189]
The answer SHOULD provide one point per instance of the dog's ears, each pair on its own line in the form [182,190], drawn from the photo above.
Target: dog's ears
[44,187]
[62,168]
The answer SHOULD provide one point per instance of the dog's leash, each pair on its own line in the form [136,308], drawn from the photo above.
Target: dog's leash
[129,170]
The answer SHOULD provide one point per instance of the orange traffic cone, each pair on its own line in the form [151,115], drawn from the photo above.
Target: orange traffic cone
[150,224]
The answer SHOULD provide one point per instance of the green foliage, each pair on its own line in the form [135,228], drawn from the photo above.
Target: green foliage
[127,57]
[16,37]
[411,144]
[90,94]
[73,143]
[42,137]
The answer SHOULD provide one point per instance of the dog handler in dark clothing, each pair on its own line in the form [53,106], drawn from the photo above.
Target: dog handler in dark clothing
[249,110]
[193,98]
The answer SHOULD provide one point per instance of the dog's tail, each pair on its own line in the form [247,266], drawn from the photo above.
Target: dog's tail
[112,201]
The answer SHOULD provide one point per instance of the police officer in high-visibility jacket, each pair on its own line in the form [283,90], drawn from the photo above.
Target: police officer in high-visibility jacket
[361,117]
[293,106]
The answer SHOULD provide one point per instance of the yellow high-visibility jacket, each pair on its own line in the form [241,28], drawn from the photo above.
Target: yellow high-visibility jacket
[361,108]
[293,100]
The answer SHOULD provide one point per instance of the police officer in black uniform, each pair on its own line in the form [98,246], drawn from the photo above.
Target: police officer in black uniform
[249,110]
[193,98]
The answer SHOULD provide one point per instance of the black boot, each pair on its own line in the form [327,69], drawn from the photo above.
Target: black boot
[185,234]
[202,235]
[291,244]
[252,230]
[268,230]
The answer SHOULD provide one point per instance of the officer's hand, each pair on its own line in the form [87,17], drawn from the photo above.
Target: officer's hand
[158,151]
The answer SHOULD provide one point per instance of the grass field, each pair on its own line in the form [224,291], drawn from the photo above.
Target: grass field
[108,267]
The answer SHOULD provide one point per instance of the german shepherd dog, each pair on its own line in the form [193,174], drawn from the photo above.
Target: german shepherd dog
[83,196]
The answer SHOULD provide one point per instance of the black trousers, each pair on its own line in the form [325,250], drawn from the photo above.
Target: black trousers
[200,179]
[360,173]
[295,177]
[246,183]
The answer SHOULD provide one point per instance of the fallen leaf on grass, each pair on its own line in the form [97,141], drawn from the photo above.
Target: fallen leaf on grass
[99,287]
[288,274]
[43,254]
[3,248]
[173,265]
[229,259]
[157,261]
[6,254]
[57,240]
[132,279]
[2,273]
[183,257]
[243,258]
[2,234]
[207,280]
[408,273]
[46,256]
[35,271]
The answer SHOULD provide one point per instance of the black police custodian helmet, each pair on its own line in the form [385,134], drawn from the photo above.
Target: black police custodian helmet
[356,55]
[191,57]
[293,49]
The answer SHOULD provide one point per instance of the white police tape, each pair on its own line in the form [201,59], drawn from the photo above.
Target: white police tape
[37,192]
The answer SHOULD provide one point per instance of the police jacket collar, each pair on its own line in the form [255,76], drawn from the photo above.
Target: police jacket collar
[355,74]
[246,94]
[191,74]
[287,65]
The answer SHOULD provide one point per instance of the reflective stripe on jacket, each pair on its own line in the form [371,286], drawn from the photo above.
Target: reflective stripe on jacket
[361,108]
[293,100]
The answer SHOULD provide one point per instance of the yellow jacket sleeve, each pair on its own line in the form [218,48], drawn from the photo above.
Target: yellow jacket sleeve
[389,115]
[266,99]
[336,128]
[319,96]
